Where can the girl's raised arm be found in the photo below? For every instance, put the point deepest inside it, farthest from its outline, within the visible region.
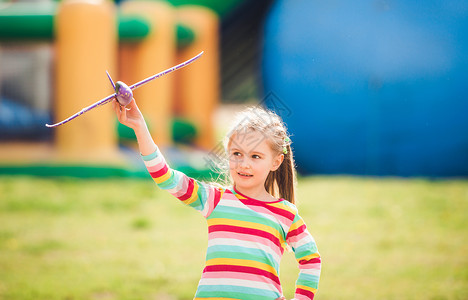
(201, 196)
(131, 116)
(194, 193)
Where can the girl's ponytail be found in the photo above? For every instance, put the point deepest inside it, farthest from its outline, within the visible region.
(282, 182)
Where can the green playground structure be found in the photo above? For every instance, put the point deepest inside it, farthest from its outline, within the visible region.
(35, 22)
(134, 39)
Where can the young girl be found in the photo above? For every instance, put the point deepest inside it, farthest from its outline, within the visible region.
(249, 223)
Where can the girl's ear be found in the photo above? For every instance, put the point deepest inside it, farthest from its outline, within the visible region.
(278, 160)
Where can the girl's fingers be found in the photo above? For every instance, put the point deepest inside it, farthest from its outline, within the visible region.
(116, 106)
(132, 104)
(121, 113)
(126, 114)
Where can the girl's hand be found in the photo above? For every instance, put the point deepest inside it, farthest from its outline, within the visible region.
(130, 115)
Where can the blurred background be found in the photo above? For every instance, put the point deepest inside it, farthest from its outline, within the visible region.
(53, 59)
(375, 88)
(374, 94)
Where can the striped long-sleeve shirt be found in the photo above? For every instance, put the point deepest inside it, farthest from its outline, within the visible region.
(246, 238)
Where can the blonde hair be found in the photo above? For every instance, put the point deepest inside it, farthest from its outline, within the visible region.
(280, 183)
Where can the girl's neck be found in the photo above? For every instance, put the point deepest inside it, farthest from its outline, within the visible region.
(257, 194)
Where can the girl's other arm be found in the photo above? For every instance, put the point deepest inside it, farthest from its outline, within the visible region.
(308, 257)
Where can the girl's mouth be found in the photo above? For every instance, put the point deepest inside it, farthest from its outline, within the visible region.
(244, 175)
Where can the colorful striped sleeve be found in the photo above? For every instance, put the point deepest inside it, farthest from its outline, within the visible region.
(201, 196)
(308, 257)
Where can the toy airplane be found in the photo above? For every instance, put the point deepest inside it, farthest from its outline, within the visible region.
(124, 93)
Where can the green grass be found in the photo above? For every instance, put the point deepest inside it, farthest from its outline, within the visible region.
(126, 239)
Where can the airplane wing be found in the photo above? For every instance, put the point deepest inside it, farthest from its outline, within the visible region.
(98, 103)
(179, 66)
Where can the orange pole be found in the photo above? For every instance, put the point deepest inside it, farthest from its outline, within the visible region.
(198, 85)
(86, 40)
(148, 57)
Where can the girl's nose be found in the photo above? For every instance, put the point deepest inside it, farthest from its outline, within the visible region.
(244, 163)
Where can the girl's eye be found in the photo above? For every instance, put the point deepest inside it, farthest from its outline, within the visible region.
(256, 156)
(236, 153)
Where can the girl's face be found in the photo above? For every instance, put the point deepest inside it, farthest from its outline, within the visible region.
(250, 161)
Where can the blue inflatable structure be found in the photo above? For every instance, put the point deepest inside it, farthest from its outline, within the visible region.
(371, 87)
